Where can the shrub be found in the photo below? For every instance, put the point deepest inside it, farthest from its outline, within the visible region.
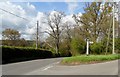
(65, 54)
(65, 50)
(104, 43)
(77, 46)
(97, 48)
(117, 44)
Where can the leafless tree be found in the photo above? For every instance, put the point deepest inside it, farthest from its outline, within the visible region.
(54, 22)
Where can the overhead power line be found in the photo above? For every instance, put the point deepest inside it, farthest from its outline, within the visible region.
(13, 14)
(26, 20)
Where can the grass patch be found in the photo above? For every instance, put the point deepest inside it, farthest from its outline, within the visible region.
(83, 59)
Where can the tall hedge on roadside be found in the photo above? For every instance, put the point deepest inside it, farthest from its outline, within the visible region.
(12, 54)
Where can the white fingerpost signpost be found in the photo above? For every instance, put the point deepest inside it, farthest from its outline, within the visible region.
(88, 42)
(87, 51)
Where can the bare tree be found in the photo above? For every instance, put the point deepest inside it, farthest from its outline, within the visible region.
(54, 20)
(67, 34)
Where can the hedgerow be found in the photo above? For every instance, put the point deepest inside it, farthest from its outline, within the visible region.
(17, 54)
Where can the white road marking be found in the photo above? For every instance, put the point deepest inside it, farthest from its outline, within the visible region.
(49, 66)
(43, 68)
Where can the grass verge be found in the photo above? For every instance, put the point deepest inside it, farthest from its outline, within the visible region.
(83, 59)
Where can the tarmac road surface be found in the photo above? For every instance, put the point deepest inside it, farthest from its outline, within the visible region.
(52, 67)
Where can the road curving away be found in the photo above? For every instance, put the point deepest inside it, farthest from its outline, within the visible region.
(52, 67)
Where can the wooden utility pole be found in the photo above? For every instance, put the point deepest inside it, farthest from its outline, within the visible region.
(37, 36)
(119, 19)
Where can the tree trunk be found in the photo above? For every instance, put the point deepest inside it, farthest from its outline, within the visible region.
(57, 45)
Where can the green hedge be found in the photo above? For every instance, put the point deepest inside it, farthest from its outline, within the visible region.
(14, 54)
(97, 48)
(18, 54)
